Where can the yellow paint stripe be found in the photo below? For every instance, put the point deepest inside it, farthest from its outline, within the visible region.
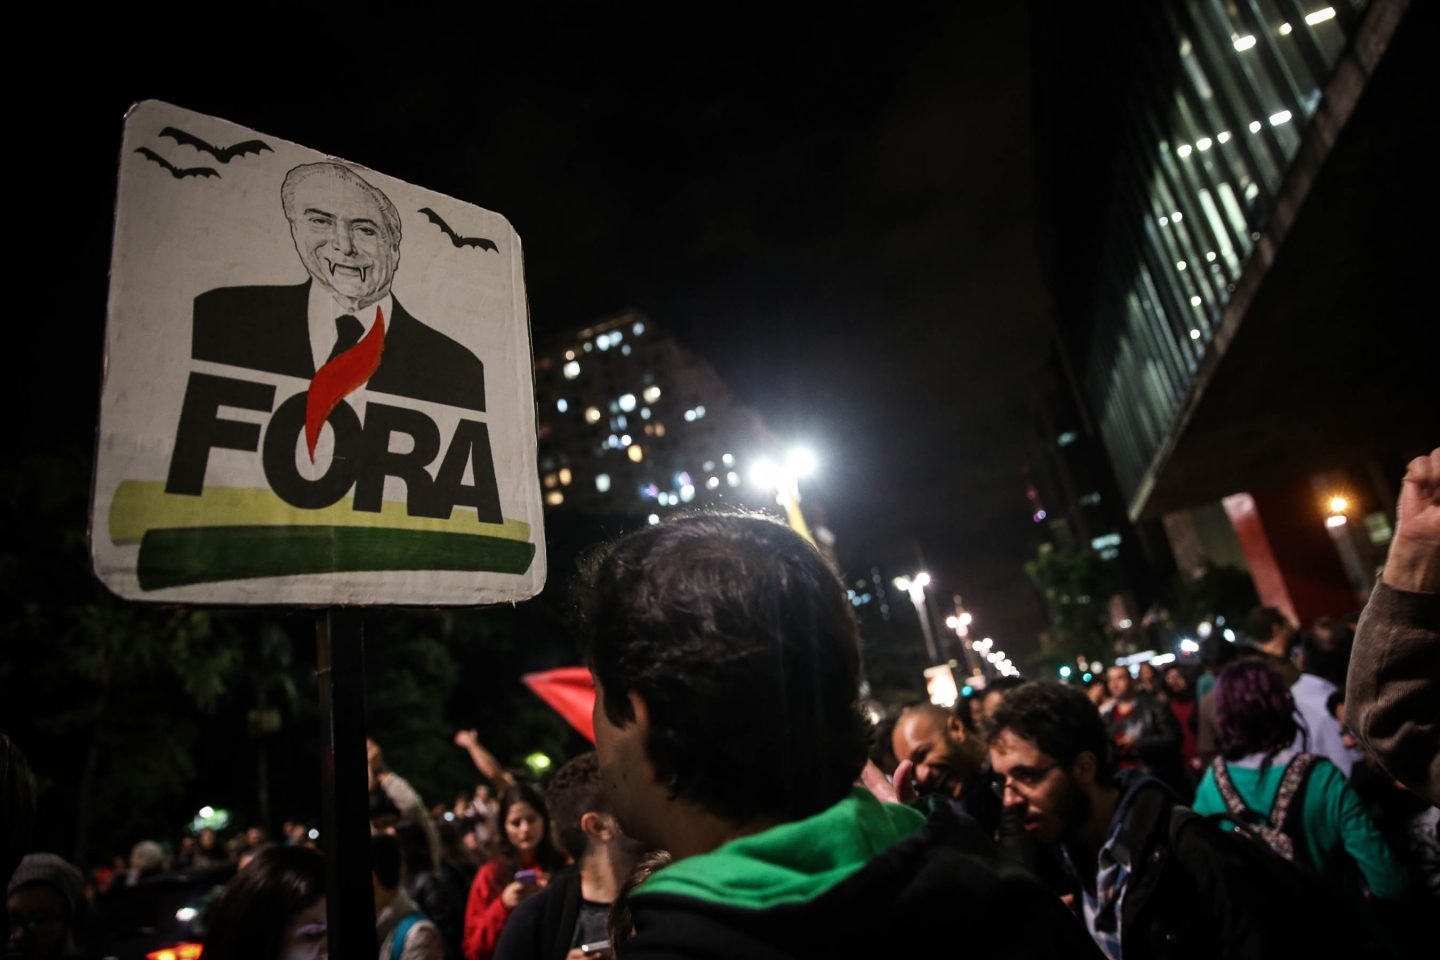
(140, 506)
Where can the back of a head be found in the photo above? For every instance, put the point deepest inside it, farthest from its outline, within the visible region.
(574, 791)
(51, 870)
(1262, 623)
(1254, 710)
(385, 860)
(739, 638)
(250, 916)
(1326, 645)
(1061, 720)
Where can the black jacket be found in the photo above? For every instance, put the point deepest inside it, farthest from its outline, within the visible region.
(542, 927)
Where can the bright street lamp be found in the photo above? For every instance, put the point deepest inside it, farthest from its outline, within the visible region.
(915, 586)
(785, 481)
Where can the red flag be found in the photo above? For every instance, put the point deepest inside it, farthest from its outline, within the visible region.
(341, 377)
(570, 691)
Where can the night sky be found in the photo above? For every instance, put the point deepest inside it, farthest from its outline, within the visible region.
(838, 215)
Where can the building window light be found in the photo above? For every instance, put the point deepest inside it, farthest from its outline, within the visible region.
(728, 460)
(651, 394)
(1195, 301)
(689, 416)
(1210, 256)
(1177, 216)
(636, 453)
(550, 480)
(602, 482)
(1244, 43)
(1195, 334)
(732, 478)
(571, 369)
(1278, 118)
(1203, 144)
(1183, 150)
(638, 329)
(569, 354)
(588, 346)
(1320, 16)
(592, 414)
(1255, 126)
(1223, 136)
(1067, 438)
(1164, 221)
(627, 402)
(712, 483)
(1286, 29)
(554, 498)
(565, 476)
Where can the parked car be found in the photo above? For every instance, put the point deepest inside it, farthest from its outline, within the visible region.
(160, 918)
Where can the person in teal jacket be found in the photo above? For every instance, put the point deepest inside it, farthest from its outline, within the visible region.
(1326, 824)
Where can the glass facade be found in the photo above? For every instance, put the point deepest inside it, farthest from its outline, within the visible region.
(1223, 91)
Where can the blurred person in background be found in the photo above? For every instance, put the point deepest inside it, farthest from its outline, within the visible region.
(273, 909)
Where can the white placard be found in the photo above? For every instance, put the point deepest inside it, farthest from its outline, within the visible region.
(318, 382)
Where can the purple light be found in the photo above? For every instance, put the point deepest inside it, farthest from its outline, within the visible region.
(1039, 515)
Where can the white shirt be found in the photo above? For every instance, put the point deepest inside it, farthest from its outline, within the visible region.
(1324, 738)
(323, 311)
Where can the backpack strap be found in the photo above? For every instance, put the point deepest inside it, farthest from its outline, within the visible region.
(402, 931)
(1297, 771)
(1233, 801)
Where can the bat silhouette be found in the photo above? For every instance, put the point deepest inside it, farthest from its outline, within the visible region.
(223, 154)
(179, 173)
(455, 238)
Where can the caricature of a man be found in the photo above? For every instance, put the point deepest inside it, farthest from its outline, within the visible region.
(347, 233)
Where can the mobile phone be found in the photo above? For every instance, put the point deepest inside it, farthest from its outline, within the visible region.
(600, 948)
(527, 877)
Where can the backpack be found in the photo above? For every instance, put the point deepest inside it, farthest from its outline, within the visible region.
(402, 930)
(1276, 829)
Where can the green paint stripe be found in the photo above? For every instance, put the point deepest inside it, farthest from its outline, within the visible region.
(183, 556)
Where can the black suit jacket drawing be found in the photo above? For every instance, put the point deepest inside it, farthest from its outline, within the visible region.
(267, 328)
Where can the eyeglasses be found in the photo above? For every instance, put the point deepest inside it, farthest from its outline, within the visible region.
(1021, 779)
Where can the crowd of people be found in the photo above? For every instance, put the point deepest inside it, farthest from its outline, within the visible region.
(1279, 802)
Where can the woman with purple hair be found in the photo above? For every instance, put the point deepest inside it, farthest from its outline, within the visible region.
(1325, 826)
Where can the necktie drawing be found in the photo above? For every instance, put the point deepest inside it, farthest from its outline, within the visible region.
(353, 361)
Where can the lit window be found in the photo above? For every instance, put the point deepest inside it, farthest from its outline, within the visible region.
(708, 466)
(732, 478)
(1180, 264)
(651, 394)
(1109, 540)
(569, 354)
(620, 422)
(572, 369)
(659, 429)
(728, 460)
(592, 414)
(1255, 126)
(1278, 118)
(603, 342)
(689, 416)
(712, 483)
(1286, 29)
(566, 476)
(653, 518)
(588, 346)
(1164, 221)
(1183, 150)
(625, 350)
(627, 402)
(562, 404)
(1194, 301)
(1210, 256)
(687, 493)
(1244, 43)
(1194, 334)
(1203, 144)
(699, 412)
(638, 329)
(1177, 216)
(1320, 16)
(554, 498)
(1067, 438)
(602, 482)
(615, 337)
(644, 413)
(550, 480)
(625, 440)
(1223, 136)
(636, 453)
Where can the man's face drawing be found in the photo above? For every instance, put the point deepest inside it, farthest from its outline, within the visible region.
(342, 239)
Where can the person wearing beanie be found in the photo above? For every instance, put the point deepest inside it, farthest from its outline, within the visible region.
(43, 899)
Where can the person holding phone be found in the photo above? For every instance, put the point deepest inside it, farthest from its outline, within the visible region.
(521, 860)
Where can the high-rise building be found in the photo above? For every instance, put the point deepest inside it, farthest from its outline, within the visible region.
(633, 424)
(1231, 192)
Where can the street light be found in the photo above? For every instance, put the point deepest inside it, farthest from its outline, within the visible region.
(785, 481)
(915, 586)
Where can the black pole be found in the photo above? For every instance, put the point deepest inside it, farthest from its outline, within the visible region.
(345, 822)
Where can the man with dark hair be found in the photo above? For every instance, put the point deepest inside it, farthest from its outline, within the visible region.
(401, 928)
(994, 692)
(572, 909)
(1324, 658)
(1150, 876)
(727, 672)
(1274, 638)
(1145, 734)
